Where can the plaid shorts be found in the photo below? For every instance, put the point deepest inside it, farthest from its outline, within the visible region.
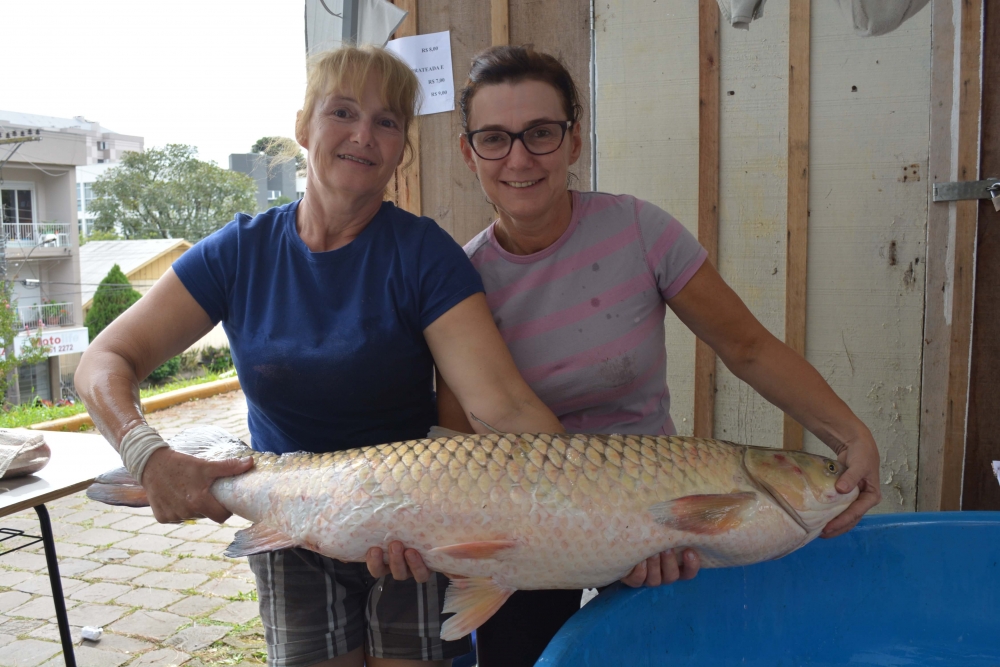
(315, 608)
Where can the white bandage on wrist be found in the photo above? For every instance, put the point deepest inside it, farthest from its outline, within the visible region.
(136, 448)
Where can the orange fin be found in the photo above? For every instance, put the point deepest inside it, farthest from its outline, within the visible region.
(118, 487)
(485, 549)
(472, 601)
(257, 539)
(709, 514)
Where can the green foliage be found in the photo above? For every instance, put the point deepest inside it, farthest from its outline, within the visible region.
(167, 369)
(100, 235)
(32, 413)
(169, 193)
(32, 352)
(113, 297)
(282, 147)
(280, 201)
(217, 359)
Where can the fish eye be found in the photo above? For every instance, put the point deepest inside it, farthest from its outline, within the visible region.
(831, 466)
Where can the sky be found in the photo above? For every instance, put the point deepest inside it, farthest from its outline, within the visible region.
(216, 74)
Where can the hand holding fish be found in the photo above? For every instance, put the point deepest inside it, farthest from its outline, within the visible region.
(402, 563)
(862, 461)
(664, 568)
(178, 485)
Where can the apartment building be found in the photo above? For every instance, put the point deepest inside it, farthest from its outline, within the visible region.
(39, 193)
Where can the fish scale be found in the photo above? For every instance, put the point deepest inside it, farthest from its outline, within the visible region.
(501, 512)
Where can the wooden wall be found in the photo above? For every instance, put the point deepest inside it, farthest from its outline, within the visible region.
(868, 184)
(450, 192)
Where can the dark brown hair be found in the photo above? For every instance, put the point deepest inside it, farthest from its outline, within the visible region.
(513, 64)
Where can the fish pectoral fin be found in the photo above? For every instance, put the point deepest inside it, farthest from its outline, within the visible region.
(258, 539)
(708, 514)
(484, 549)
(472, 601)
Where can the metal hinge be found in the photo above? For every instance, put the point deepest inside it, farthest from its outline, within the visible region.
(964, 190)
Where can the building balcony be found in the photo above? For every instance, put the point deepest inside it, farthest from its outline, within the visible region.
(45, 315)
(23, 238)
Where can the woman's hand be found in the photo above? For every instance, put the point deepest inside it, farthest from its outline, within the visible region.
(402, 563)
(664, 568)
(178, 485)
(862, 461)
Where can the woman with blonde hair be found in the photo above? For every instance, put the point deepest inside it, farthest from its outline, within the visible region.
(337, 308)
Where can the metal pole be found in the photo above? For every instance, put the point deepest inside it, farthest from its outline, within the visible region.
(349, 34)
(56, 582)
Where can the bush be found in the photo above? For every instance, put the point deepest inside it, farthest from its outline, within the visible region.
(113, 297)
(217, 359)
(170, 368)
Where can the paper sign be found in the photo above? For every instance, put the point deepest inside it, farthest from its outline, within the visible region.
(429, 56)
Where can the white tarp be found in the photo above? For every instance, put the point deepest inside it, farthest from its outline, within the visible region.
(377, 20)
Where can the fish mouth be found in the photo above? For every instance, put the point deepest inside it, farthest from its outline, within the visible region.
(771, 493)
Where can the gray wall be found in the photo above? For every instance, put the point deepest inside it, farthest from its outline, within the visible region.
(267, 174)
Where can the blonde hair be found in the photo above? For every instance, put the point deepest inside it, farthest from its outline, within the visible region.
(349, 69)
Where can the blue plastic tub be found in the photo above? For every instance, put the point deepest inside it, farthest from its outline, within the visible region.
(899, 589)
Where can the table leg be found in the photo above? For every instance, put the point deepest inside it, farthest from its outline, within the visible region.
(56, 582)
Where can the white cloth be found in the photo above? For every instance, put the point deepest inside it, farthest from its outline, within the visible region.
(377, 20)
(136, 448)
(11, 444)
(739, 13)
(871, 18)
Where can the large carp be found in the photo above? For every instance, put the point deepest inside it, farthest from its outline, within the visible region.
(502, 512)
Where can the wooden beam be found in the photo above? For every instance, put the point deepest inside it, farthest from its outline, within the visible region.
(408, 178)
(708, 198)
(798, 194)
(499, 23)
(966, 215)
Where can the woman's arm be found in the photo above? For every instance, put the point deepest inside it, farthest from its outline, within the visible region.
(163, 323)
(715, 313)
(474, 362)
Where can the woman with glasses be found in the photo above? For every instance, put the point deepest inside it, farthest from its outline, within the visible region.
(579, 283)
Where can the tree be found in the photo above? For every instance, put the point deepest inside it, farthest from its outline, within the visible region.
(31, 352)
(100, 235)
(280, 147)
(113, 297)
(169, 193)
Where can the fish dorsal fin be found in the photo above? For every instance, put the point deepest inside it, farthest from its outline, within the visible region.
(485, 424)
(472, 601)
(484, 549)
(442, 432)
(258, 539)
(709, 514)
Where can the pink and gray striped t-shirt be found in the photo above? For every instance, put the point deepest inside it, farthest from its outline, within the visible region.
(584, 317)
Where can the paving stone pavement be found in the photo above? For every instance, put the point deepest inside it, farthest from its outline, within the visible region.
(164, 594)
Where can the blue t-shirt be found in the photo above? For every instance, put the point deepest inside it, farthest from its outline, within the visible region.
(329, 346)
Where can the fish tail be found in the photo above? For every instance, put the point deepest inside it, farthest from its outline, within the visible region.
(118, 487)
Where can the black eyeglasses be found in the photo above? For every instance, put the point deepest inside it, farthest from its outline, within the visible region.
(540, 139)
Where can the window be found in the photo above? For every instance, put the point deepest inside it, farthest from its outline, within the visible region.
(273, 194)
(18, 204)
(102, 146)
(88, 195)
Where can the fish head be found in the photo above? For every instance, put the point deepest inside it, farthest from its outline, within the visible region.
(804, 484)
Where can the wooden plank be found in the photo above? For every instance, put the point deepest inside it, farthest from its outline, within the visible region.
(982, 446)
(966, 213)
(408, 177)
(708, 198)
(450, 193)
(798, 194)
(562, 29)
(937, 297)
(499, 23)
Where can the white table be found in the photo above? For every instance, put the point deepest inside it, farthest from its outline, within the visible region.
(77, 458)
